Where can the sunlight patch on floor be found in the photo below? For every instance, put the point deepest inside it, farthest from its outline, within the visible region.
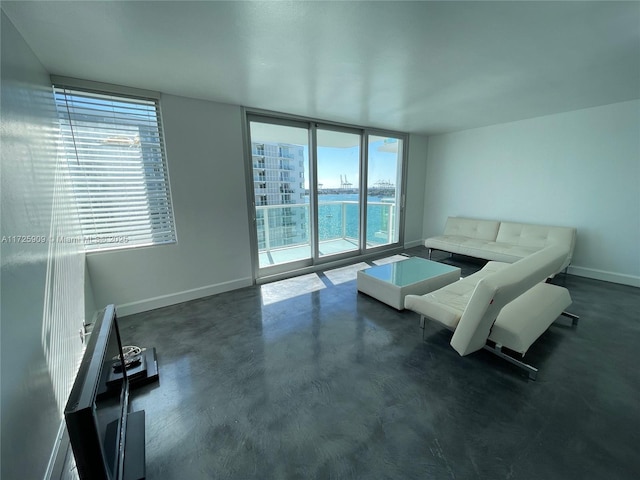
(290, 288)
(345, 274)
(391, 259)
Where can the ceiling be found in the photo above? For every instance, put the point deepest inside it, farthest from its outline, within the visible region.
(420, 67)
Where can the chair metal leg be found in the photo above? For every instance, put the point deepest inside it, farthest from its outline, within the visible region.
(574, 318)
(497, 350)
(422, 325)
(430, 250)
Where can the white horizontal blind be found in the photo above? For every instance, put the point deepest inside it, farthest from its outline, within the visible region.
(115, 151)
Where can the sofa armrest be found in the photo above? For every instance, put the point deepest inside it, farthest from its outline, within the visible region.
(475, 325)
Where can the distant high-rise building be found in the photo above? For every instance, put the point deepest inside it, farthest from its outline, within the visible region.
(278, 183)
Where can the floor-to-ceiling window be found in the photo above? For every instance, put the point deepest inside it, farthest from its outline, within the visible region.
(280, 165)
(384, 177)
(338, 159)
(321, 192)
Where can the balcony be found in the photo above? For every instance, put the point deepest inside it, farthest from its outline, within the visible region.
(338, 227)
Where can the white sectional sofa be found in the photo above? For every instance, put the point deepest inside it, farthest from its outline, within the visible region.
(503, 305)
(500, 241)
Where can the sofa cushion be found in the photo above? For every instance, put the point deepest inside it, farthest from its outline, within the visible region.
(504, 252)
(501, 241)
(537, 236)
(472, 228)
(499, 252)
(472, 247)
(447, 304)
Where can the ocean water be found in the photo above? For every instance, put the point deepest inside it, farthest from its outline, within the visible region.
(332, 209)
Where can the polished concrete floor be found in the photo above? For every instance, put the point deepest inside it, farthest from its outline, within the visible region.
(307, 379)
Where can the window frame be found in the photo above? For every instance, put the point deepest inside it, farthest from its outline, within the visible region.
(153, 179)
(315, 263)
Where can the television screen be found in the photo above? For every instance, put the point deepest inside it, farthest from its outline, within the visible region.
(96, 413)
(111, 402)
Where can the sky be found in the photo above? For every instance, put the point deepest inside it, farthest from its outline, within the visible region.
(336, 161)
(338, 153)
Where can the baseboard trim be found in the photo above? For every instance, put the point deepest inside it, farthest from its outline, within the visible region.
(414, 243)
(604, 275)
(180, 297)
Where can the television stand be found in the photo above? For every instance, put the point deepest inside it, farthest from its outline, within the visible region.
(134, 454)
(147, 374)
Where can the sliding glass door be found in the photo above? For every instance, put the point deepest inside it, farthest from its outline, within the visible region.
(321, 192)
(384, 178)
(338, 159)
(280, 165)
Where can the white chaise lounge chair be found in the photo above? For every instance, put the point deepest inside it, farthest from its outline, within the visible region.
(503, 305)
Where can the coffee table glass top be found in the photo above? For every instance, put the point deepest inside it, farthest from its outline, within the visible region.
(406, 272)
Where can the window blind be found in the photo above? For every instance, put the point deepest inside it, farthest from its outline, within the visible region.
(115, 151)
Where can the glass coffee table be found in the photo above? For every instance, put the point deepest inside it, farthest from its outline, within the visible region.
(391, 282)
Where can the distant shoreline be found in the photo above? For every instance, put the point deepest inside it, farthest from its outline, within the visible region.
(371, 192)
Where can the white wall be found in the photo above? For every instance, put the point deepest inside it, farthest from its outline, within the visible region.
(206, 167)
(42, 283)
(579, 168)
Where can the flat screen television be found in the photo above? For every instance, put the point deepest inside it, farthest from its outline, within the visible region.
(107, 440)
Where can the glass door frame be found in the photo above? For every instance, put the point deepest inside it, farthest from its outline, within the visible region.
(260, 272)
(339, 129)
(312, 125)
(401, 181)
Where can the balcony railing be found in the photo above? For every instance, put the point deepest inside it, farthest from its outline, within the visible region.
(337, 220)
